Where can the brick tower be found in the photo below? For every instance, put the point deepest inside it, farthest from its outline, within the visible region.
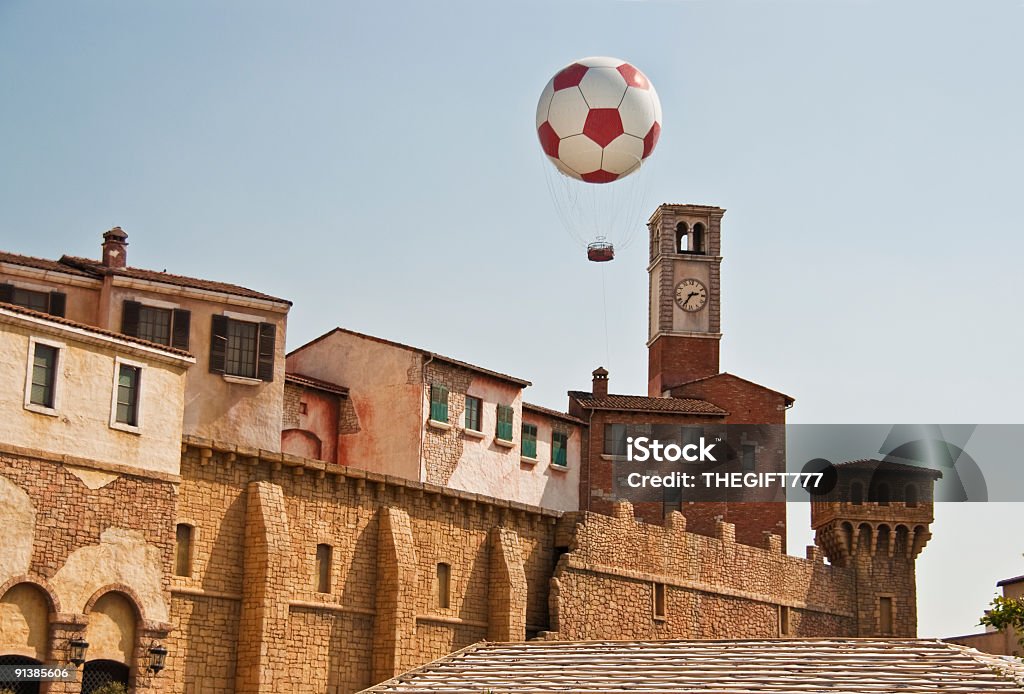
(685, 295)
(876, 521)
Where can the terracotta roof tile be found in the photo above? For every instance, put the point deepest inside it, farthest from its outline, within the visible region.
(825, 666)
(98, 269)
(522, 383)
(642, 403)
(552, 413)
(871, 464)
(789, 398)
(42, 264)
(90, 328)
(310, 382)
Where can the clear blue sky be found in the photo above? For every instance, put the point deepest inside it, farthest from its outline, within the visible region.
(375, 162)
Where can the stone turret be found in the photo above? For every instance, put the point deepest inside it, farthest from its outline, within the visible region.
(876, 520)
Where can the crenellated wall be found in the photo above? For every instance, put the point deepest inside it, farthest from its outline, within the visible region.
(604, 586)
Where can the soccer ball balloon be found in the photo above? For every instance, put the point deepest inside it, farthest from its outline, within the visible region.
(598, 119)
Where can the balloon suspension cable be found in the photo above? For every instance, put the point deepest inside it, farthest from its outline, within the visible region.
(607, 342)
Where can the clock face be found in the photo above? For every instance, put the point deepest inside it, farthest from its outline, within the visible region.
(691, 295)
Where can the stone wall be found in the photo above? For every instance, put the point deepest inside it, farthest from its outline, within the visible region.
(715, 587)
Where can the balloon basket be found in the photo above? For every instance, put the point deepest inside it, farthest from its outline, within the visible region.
(600, 252)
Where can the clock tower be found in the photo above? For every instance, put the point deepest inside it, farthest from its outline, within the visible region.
(685, 295)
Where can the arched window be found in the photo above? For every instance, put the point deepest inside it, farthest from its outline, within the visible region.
(856, 493)
(910, 494)
(698, 239)
(7, 664)
(183, 550)
(323, 568)
(883, 494)
(104, 675)
(682, 239)
(444, 585)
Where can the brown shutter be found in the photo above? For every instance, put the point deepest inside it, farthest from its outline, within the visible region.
(6, 293)
(181, 321)
(265, 362)
(130, 318)
(58, 303)
(218, 344)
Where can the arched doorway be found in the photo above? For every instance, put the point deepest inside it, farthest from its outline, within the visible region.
(19, 687)
(103, 676)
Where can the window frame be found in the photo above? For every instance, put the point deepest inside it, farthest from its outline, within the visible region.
(511, 412)
(443, 576)
(479, 409)
(443, 400)
(58, 382)
(564, 465)
(527, 438)
(56, 302)
(609, 428)
(114, 423)
(265, 357)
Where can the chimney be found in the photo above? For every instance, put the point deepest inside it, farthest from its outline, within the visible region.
(600, 382)
(115, 242)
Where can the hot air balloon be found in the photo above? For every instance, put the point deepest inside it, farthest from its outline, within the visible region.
(598, 120)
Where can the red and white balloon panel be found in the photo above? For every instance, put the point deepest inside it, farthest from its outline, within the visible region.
(598, 119)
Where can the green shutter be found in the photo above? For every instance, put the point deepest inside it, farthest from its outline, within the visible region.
(559, 444)
(439, 403)
(529, 441)
(504, 429)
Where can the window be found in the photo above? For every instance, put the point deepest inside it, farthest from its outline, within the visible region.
(749, 457)
(885, 615)
(883, 494)
(37, 300)
(126, 408)
(682, 242)
(438, 403)
(910, 494)
(183, 550)
(856, 493)
(559, 446)
(323, 568)
(242, 348)
(529, 440)
(165, 326)
(659, 601)
(783, 620)
(474, 408)
(44, 376)
(444, 585)
(615, 439)
(698, 239)
(504, 429)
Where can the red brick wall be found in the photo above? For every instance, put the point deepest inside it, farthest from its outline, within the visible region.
(673, 359)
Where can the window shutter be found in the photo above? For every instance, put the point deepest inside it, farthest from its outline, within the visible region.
(130, 318)
(6, 293)
(58, 302)
(265, 361)
(218, 344)
(181, 320)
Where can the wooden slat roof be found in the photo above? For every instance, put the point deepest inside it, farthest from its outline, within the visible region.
(820, 666)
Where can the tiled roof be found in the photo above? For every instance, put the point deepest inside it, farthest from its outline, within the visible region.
(789, 399)
(92, 329)
(642, 403)
(552, 413)
(819, 666)
(98, 269)
(870, 464)
(310, 382)
(522, 383)
(41, 264)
